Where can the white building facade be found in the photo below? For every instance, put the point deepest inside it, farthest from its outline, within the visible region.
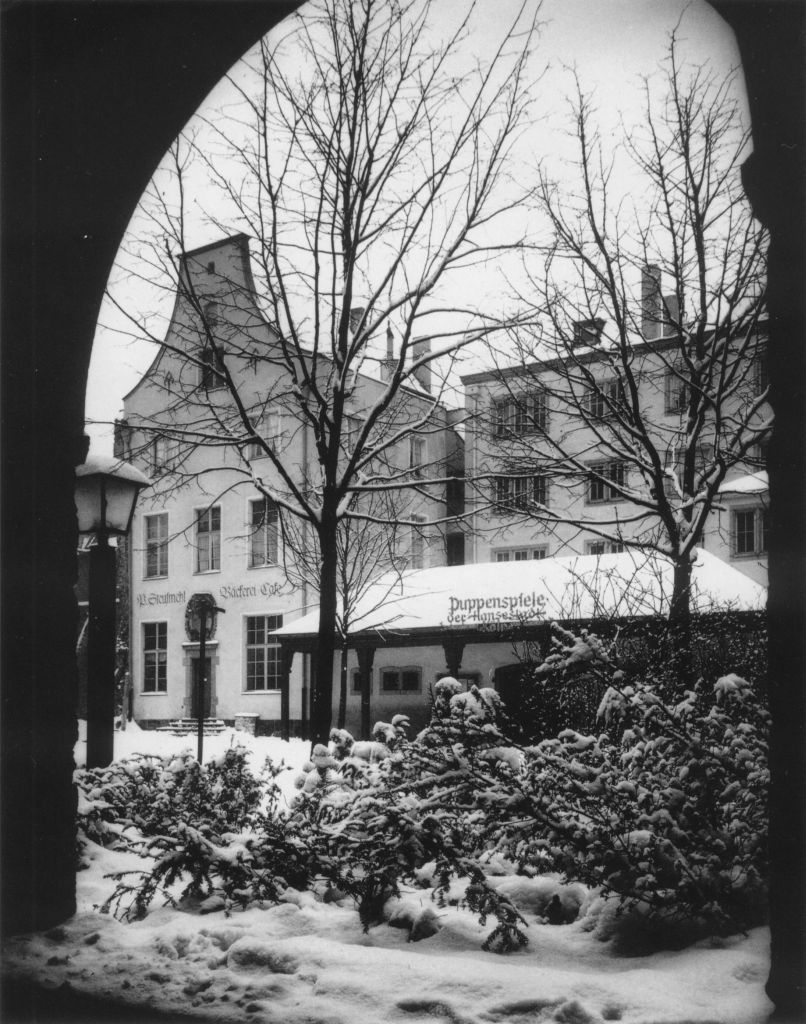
(205, 527)
(580, 494)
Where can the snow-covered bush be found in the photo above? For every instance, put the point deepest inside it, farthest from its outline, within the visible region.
(661, 810)
(215, 834)
(664, 807)
(151, 795)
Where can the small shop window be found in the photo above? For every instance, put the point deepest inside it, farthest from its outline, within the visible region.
(401, 680)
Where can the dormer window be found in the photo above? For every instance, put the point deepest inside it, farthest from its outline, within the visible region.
(588, 332)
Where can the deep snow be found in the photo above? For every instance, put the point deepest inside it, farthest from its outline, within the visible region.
(308, 962)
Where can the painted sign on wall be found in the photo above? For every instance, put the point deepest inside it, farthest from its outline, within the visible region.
(507, 608)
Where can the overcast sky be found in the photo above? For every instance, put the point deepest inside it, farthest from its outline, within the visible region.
(611, 43)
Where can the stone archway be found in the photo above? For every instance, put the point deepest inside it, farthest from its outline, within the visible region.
(93, 94)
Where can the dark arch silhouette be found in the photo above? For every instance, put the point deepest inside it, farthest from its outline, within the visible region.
(93, 94)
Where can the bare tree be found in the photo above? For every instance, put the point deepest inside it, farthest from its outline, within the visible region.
(628, 409)
(368, 550)
(371, 171)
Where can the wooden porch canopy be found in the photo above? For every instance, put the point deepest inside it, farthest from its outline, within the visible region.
(454, 606)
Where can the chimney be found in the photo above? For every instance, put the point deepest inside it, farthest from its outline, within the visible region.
(671, 313)
(587, 332)
(419, 348)
(651, 303)
(388, 364)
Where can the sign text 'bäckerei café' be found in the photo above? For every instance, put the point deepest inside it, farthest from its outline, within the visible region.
(226, 593)
(469, 611)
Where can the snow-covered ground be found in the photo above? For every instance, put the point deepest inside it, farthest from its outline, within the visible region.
(309, 961)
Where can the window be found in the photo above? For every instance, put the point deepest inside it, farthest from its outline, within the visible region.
(520, 554)
(263, 667)
(750, 532)
(455, 548)
(454, 496)
(263, 538)
(675, 391)
(599, 490)
(401, 680)
(603, 547)
(156, 545)
(416, 543)
(513, 493)
(604, 398)
(155, 657)
(269, 428)
(208, 539)
(517, 415)
(416, 456)
(211, 370)
(158, 455)
(588, 332)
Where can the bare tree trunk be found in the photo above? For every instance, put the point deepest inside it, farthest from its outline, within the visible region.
(322, 689)
(343, 686)
(680, 624)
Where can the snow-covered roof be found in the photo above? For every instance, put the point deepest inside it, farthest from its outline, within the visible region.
(565, 589)
(753, 483)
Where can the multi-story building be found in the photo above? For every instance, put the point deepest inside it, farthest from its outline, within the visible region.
(557, 467)
(206, 527)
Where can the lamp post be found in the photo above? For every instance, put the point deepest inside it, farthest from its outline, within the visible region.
(200, 623)
(105, 494)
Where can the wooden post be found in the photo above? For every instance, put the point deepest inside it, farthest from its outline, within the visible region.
(454, 649)
(305, 726)
(366, 656)
(286, 659)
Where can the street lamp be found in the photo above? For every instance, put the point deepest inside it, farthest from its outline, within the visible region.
(105, 494)
(200, 622)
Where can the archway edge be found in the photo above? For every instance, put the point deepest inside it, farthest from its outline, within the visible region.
(93, 95)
